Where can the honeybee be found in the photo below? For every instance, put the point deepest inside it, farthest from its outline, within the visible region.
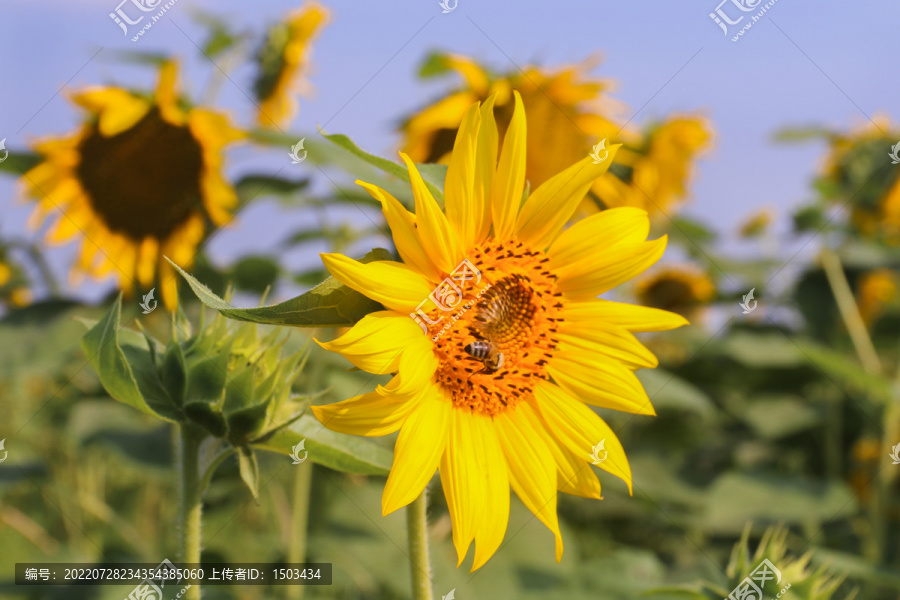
(487, 353)
(500, 316)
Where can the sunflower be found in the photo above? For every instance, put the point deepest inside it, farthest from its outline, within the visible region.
(568, 112)
(658, 171)
(518, 280)
(856, 169)
(677, 288)
(283, 59)
(138, 181)
(875, 290)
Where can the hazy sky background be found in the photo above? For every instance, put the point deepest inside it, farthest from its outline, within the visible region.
(829, 63)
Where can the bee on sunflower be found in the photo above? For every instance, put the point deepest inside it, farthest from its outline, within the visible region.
(141, 179)
(283, 60)
(521, 417)
(568, 112)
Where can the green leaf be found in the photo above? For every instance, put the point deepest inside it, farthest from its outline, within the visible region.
(848, 373)
(18, 163)
(101, 345)
(329, 304)
(240, 389)
(250, 187)
(206, 378)
(433, 175)
(244, 423)
(434, 65)
(174, 372)
(337, 451)
(211, 419)
(249, 469)
(736, 498)
(255, 273)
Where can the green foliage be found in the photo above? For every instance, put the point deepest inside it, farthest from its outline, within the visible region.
(227, 381)
(329, 304)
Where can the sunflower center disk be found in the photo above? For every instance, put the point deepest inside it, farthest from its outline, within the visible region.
(501, 330)
(144, 181)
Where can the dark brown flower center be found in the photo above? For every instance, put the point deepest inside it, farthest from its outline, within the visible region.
(144, 181)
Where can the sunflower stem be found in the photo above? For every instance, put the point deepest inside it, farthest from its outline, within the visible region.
(191, 492)
(299, 523)
(419, 560)
(856, 327)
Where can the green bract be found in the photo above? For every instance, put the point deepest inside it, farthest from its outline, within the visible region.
(227, 383)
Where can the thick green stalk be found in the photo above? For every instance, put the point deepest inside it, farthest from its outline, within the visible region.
(875, 542)
(191, 492)
(419, 561)
(299, 521)
(846, 302)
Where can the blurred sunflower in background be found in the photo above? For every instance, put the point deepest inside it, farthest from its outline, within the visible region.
(875, 290)
(282, 60)
(519, 415)
(14, 291)
(858, 170)
(141, 179)
(682, 289)
(569, 112)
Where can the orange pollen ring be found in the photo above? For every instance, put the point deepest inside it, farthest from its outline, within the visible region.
(511, 311)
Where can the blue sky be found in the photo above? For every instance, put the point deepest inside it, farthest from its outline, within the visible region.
(827, 63)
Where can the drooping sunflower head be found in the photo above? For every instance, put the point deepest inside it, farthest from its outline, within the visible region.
(677, 288)
(283, 59)
(139, 180)
(857, 169)
(568, 112)
(496, 337)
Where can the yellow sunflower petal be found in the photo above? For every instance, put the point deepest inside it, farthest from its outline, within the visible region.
(595, 275)
(444, 114)
(416, 369)
(403, 230)
(372, 414)
(532, 469)
(475, 76)
(598, 232)
(485, 165)
(374, 344)
(418, 451)
(464, 208)
(147, 259)
(599, 382)
(435, 233)
(551, 205)
(166, 94)
(393, 284)
(509, 180)
(573, 474)
(578, 428)
(475, 487)
(118, 109)
(628, 316)
(168, 284)
(601, 340)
